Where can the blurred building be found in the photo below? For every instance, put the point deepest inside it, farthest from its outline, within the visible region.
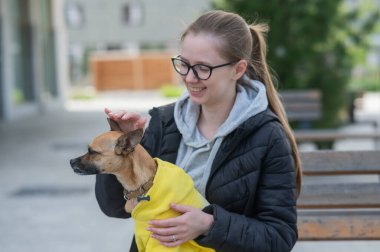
(130, 26)
(44, 44)
(30, 81)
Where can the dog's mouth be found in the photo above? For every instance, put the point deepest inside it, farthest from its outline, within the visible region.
(83, 170)
(88, 171)
(79, 171)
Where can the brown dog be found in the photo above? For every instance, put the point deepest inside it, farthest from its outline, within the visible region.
(150, 185)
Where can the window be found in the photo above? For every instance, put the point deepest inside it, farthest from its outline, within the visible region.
(133, 13)
(74, 15)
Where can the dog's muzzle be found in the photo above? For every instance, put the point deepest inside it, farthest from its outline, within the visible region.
(81, 169)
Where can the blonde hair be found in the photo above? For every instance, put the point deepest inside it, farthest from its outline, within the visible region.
(238, 40)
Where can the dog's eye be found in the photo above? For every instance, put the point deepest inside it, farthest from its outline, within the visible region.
(92, 152)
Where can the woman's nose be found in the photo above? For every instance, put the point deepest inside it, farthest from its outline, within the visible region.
(191, 76)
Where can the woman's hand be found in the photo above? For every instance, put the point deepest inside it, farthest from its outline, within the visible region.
(174, 231)
(127, 121)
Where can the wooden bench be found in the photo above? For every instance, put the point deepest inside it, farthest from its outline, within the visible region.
(332, 135)
(340, 208)
(302, 106)
(305, 106)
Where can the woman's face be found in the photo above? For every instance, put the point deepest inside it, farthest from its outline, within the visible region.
(202, 49)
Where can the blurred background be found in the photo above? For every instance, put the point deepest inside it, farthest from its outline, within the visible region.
(63, 61)
(52, 51)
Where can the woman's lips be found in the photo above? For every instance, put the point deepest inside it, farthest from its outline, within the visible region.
(196, 89)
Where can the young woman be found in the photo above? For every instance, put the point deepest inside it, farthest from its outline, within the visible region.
(229, 132)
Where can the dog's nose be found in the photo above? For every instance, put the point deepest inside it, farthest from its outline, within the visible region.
(72, 162)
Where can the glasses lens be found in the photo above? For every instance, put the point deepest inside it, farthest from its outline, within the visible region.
(180, 66)
(203, 71)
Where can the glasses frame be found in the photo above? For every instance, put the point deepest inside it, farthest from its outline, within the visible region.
(192, 67)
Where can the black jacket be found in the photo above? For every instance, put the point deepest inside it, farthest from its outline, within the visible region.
(251, 188)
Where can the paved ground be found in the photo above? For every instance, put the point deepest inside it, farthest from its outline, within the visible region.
(44, 206)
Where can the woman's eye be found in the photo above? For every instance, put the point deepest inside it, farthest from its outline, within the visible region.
(203, 68)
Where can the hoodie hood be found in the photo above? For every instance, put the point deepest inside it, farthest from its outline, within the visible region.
(250, 100)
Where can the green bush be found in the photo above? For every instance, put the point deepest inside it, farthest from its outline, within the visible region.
(171, 90)
(314, 45)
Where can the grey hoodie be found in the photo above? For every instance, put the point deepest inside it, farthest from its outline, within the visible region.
(196, 153)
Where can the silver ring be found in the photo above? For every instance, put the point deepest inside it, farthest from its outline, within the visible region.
(174, 239)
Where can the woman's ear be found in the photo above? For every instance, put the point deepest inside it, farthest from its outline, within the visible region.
(239, 69)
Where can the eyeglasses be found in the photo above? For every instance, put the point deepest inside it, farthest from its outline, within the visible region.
(201, 71)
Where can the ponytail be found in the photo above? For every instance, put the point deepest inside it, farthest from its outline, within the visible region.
(258, 70)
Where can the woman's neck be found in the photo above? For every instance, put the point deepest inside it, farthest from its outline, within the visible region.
(212, 117)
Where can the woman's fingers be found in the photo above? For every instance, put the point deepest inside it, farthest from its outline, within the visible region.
(107, 110)
(114, 116)
(167, 236)
(169, 240)
(190, 224)
(141, 122)
(109, 113)
(163, 232)
(127, 121)
(125, 116)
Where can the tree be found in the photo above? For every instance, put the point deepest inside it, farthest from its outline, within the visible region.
(311, 45)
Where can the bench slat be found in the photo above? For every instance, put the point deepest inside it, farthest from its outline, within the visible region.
(341, 162)
(302, 105)
(332, 135)
(339, 225)
(300, 95)
(349, 195)
(303, 115)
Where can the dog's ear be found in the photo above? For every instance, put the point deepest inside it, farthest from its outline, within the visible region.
(113, 124)
(127, 142)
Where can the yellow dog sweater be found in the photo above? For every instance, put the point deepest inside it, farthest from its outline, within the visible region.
(170, 185)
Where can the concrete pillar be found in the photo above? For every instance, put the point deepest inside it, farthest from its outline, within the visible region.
(8, 49)
(61, 47)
